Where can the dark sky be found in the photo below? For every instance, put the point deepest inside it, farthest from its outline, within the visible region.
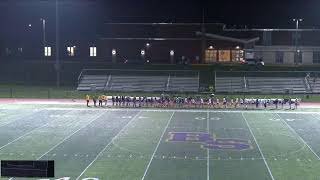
(80, 19)
(257, 13)
(266, 13)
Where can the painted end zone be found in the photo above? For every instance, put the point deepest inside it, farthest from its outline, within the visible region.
(208, 141)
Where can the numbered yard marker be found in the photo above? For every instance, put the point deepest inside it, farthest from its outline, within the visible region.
(143, 117)
(61, 116)
(290, 120)
(215, 118)
(274, 119)
(126, 117)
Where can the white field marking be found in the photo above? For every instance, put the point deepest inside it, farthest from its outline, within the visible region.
(208, 152)
(21, 117)
(273, 119)
(215, 118)
(66, 138)
(24, 135)
(115, 137)
(176, 110)
(200, 118)
(301, 139)
(262, 155)
(155, 150)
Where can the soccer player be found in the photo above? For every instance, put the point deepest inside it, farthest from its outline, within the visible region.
(201, 102)
(100, 100)
(218, 103)
(94, 101)
(231, 102)
(224, 102)
(87, 99)
(296, 103)
(236, 103)
(113, 100)
(209, 103)
(105, 99)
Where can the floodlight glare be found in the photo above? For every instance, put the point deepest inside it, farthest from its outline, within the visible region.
(114, 52)
(172, 53)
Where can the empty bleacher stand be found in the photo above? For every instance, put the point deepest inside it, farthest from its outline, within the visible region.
(264, 82)
(314, 84)
(276, 85)
(230, 84)
(138, 81)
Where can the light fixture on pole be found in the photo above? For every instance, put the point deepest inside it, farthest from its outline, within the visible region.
(172, 56)
(297, 21)
(143, 54)
(43, 21)
(114, 56)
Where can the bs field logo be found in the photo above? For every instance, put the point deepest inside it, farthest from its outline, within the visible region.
(208, 141)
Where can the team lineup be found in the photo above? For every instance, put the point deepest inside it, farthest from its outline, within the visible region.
(190, 102)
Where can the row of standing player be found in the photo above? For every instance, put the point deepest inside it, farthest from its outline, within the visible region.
(165, 101)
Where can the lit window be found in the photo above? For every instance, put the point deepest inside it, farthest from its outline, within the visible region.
(210, 56)
(47, 51)
(71, 50)
(93, 51)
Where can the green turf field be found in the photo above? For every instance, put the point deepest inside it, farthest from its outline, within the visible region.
(139, 144)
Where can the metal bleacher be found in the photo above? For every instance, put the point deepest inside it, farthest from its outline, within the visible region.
(314, 84)
(139, 81)
(276, 85)
(264, 82)
(230, 84)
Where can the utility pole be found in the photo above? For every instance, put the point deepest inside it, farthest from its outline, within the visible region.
(44, 33)
(297, 21)
(203, 38)
(57, 64)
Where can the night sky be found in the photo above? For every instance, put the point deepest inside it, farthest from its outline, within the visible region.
(81, 19)
(253, 13)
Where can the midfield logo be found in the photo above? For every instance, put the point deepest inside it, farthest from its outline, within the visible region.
(208, 141)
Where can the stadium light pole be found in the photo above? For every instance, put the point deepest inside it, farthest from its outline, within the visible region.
(43, 21)
(297, 21)
(57, 64)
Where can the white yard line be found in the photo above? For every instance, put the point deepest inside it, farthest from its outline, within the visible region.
(20, 117)
(179, 110)
(208, 152)
(262, 155)
(155, 150)
(299, 137)
(24, 135)
(66, 138)
(114, 138)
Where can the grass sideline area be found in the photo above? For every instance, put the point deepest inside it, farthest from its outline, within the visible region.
(51, 92)
(139, 144)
